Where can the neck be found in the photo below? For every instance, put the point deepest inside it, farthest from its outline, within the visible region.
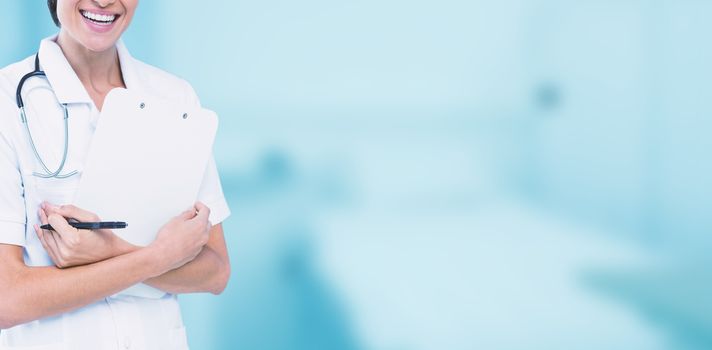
(99, 72)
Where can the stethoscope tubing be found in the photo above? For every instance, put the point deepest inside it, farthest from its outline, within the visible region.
(23, 117)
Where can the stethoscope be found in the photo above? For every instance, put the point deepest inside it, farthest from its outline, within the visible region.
(23, 116)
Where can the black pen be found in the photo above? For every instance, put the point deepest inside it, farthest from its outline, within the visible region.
(92, 225)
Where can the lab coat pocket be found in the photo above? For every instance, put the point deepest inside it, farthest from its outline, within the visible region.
(53, 190)
(178, 339)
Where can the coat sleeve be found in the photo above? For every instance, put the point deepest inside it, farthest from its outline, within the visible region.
(12, 194)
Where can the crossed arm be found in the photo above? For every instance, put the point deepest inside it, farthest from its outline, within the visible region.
(187, 256)
(208, 272)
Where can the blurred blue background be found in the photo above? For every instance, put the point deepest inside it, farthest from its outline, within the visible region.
(453, 174)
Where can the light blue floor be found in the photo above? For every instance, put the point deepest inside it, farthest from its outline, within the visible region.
(499, 275)
(502, 276)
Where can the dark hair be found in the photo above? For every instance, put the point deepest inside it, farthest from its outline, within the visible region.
(52, 4)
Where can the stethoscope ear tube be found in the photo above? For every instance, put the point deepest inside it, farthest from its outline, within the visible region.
(35, 73)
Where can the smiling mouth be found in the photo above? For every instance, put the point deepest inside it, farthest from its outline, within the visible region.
(98, 18)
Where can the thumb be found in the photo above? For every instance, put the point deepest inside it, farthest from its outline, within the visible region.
(60, 225)
(188, 214)
(70, 211)
(203, 211)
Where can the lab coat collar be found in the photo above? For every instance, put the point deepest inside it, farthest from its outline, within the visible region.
(128, 67)
(61, 76)
(64, 81)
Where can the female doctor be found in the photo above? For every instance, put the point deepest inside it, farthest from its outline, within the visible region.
(60, 289)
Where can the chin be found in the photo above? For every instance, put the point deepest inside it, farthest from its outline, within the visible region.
(99, 44)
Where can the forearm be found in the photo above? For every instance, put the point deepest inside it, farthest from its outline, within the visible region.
(206, 273)
(37, 292)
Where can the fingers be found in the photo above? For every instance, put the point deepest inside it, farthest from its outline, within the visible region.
(60, 225)
(203, 215)
(41, 234)
(53, 240)
(203, 211)
(43, 239)
(199, 206)
(43, 216)
(49, 243)
(55, 243)
(70, 212)
(198, 211)
(187, 215)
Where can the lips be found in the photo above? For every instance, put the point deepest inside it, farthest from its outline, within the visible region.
(99, 22)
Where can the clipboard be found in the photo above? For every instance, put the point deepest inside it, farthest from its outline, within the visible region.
(145, 165)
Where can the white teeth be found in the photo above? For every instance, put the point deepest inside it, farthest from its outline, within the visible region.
(97, 17)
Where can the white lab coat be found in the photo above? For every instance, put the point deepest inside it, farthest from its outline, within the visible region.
(117, 322)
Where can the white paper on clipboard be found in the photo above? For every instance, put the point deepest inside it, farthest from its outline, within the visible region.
(145, 166)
